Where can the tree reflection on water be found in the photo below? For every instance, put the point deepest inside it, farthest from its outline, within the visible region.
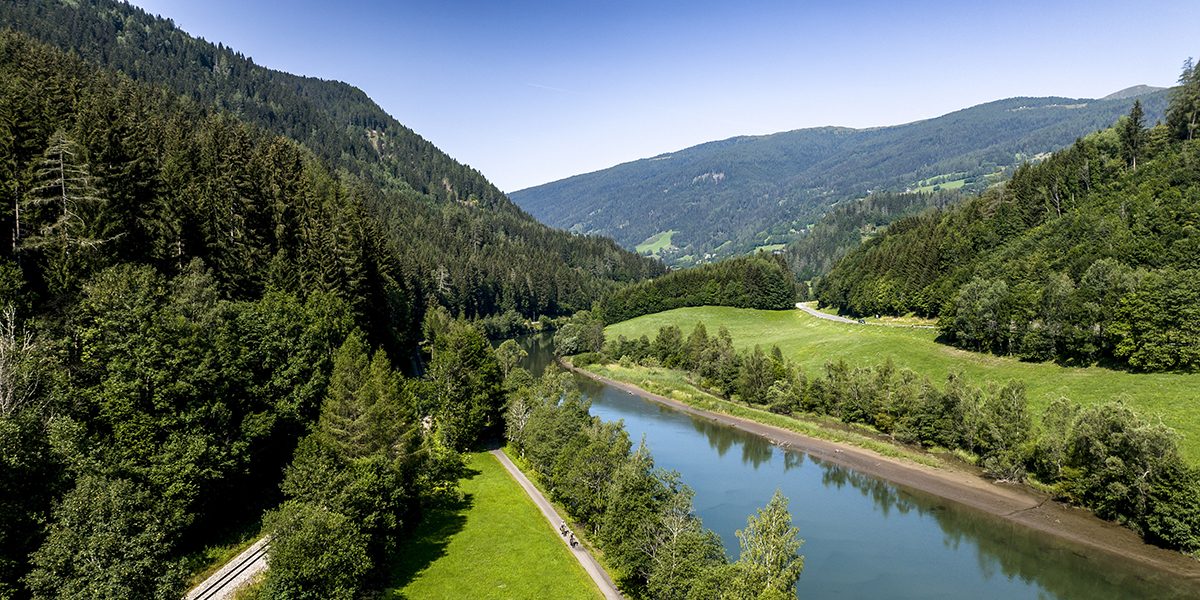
(1002, 548)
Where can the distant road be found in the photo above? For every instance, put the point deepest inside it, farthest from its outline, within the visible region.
(234, 574)
(823, 315)
(593, 568)
(840, 319)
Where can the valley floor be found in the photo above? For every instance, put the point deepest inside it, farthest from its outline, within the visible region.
(1014, 503)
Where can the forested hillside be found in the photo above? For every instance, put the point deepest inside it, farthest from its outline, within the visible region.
(186, 293)
(761, 281)
(462, 243)
(850, 223)
(173, 289)
(1088, 256)
(728, 197)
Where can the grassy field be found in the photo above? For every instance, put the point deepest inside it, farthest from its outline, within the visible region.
(945, 185)
(655, 243)
(811, 342)
(945, 181)
(495, 544)
(769, 247)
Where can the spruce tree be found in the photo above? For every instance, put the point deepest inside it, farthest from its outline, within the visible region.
(56, 220)
(1133, 135)
(1183, 115)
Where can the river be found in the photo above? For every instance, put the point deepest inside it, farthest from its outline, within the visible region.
(864, 537)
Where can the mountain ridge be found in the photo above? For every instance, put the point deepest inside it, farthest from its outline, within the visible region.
(466, 245)
(1086, 257)
(1132, 91)
(767, 189)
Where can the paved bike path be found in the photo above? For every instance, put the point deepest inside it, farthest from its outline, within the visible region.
(585, 558)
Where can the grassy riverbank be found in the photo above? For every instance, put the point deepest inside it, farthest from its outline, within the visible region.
(675, 385)
(812, 342)
(494, 544)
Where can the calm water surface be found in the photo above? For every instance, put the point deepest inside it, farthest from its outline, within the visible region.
(864, 537)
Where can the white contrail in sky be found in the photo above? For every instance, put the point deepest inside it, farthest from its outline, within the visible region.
(551, 88)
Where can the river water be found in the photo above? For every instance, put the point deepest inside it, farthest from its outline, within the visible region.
(864, 537)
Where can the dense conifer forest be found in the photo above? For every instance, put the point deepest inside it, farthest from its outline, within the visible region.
(761, 281)
(848, 224)
(1089, 256)
(208, 265)
(461, 242)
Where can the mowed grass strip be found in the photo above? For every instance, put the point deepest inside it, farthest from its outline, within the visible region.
(495, 544)
(812, 342)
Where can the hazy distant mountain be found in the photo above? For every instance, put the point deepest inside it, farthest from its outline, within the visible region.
(730, 196)
(1133, 91)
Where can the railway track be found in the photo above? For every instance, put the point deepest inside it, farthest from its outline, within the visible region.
(233, 574)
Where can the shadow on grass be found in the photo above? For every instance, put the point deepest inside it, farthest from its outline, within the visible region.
(428, 542)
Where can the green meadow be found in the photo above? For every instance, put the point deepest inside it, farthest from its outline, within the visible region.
(655, 243)
(493, 544)
(769, 247)
(945, 185)
(812, 342)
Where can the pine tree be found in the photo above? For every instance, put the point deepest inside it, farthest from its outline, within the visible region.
(361, 415)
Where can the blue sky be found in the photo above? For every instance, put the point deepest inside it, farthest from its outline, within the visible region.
(530, 92)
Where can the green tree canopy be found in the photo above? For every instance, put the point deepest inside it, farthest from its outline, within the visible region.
(468, 386)
(769, 565)
(315, 553)
(111, 538)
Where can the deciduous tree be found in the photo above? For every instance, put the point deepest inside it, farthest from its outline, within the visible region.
(769, 565)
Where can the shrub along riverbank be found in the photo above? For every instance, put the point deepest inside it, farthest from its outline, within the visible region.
(1103, 457)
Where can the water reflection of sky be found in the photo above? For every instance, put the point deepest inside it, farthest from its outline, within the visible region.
(864, 538)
